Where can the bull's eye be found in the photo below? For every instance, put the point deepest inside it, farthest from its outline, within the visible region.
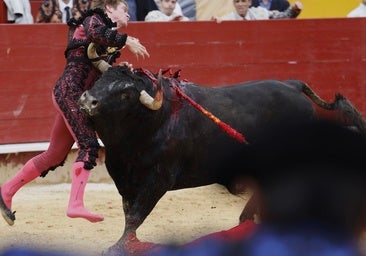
(124, 96)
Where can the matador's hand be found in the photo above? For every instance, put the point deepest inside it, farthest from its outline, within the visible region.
(134, 45)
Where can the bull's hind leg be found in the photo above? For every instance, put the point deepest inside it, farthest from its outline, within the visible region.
(251, 209)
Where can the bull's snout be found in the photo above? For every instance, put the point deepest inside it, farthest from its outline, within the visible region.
(88, 103)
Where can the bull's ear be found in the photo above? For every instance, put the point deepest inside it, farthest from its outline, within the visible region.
(150, 102)
(98, 63)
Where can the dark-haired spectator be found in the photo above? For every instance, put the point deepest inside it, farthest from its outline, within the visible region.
(60, 11)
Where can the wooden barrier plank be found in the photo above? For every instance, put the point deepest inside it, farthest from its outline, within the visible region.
(328, 54)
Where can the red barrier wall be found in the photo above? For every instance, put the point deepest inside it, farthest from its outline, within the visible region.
(328, 54)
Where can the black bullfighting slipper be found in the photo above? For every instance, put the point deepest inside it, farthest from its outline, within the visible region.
(8, 216)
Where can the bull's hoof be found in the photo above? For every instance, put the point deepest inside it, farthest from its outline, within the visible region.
(115, 250)
(131, 246)
(135, 247)
(245, 216)
(8, 216)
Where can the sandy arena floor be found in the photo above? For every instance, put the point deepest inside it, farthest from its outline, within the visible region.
(180, 216)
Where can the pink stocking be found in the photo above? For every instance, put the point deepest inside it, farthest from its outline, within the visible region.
(28, 173)
(76, 207)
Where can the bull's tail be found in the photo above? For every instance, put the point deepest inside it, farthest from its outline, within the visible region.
(348, 114)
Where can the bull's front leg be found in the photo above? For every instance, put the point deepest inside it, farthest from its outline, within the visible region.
(136, 208)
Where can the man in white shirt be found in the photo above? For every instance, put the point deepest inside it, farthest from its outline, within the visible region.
(65, 8)
(19, 11)
(167, 12)
(360, 11)
(244, 11)
(177, 9)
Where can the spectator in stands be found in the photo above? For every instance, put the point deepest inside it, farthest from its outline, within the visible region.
(272, 5)
(243, 11)
(360, 11)
(177, 9)
(138, 9)
(166, 12)
(19, 11)
(60, 11)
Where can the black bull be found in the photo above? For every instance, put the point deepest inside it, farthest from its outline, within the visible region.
(149, 152)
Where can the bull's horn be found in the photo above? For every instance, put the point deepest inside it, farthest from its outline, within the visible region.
(150, 102)
(102, 65)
